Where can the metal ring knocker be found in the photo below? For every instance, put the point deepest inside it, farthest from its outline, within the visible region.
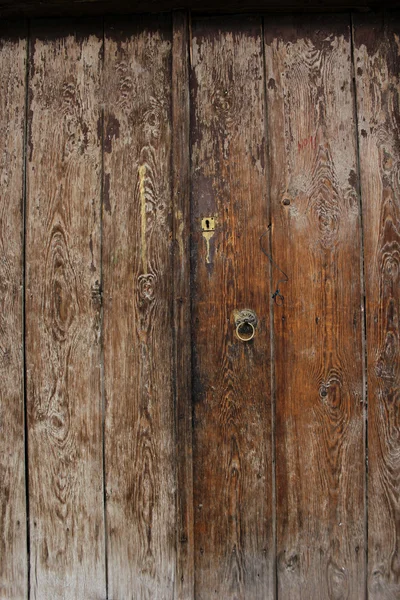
(246, 323)
(245, 336)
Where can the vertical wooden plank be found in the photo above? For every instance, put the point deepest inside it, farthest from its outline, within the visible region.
(318, 331)
(377, 65)
(232, 413)
(138, 286)
(63, 312)
(182, 304)
(13, 551)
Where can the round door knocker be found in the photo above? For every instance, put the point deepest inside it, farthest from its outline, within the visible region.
(246, 323)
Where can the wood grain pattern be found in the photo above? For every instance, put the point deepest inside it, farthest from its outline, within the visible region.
(318, 331)
(189, 447)
(232, 414)
(377, 64)
(182, 305)
(138, 287)
(63, 313)
(13, 554)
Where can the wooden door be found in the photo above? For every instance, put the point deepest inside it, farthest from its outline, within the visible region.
(199, 344)
(274, 163)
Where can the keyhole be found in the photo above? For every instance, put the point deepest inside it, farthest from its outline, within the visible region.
(208, 224)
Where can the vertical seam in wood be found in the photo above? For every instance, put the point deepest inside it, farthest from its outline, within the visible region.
(181, 227)
(363, 307)
(173, 307)
(24, 205)
(102, 382)
(271, 321)
(190, 300)
(191, 271)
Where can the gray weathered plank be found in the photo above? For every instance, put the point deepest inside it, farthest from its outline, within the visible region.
(63, 313)
(138, 287)
(182, 312)
(318, 331)
(13, 550)
(232, 454)
(377, 68)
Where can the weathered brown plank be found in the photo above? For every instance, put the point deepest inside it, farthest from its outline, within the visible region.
(377, 67)
(232, 412)
(182, 312)
(52, 8)
(13, 551)
(318, 331)
(138, 287)
(63, 313)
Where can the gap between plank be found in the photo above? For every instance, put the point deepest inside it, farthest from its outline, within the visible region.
(181, 289)
(363, 307)
(24, 378)
(191, 271)
(271, 322)
(102, 382)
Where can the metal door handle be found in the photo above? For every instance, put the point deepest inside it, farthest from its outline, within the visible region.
(246, 323)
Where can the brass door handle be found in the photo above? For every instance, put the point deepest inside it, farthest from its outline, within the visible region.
(246, 323)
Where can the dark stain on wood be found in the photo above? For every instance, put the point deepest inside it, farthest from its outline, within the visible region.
(112, 131)
(184, 586)
(106, 193)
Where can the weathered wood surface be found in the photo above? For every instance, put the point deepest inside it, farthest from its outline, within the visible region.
(318, 331)
(13, 551)
(182, 305)
(67, 556)
(53, 8)
(377, 70)
(134, 159)
(232, 454)
(138, 287)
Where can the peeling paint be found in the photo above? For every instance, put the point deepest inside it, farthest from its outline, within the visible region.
(179, 233)
(207, 235)
(142, 189)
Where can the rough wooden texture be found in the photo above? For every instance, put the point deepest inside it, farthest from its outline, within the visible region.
(63, 313)
(13, 556)
(138, 286)
(164, 544)
(377, 69)
(232, 412)
(182, 312)
(53, 8)
(318, 331)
